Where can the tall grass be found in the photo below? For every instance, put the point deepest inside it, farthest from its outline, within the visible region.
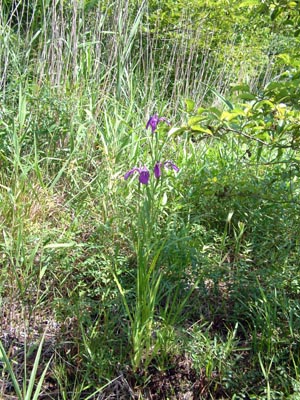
(81, 44)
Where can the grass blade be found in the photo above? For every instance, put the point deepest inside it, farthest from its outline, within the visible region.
(34, 372)
(11, 372)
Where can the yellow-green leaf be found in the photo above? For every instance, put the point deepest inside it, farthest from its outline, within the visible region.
(190, 105)
(194, 120)
(228, 116)
(198, 128)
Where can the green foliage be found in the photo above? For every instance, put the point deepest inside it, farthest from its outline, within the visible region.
(199, 268)
(270, 118)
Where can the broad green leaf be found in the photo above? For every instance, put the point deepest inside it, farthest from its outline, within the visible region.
(228, 116)
(275, 13)
(283, 95)
(247, 96)
(243, 87)
(292, 4)
(259, 151)
(258, 128)
(200, 110)
(194, 120)
(190, 105)
(198, 128)
(273, 85)
(263, 136)
(262, 103)
(215, 111)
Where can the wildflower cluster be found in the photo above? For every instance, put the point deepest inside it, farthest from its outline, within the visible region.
(143, 172)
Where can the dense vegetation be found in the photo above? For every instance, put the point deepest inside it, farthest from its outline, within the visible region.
(157, 262)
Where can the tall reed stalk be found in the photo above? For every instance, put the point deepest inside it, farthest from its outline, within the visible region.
(79, 45)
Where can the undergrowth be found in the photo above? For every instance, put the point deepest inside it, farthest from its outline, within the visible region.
(145, 262)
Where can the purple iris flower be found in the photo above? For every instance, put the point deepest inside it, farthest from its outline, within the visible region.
(154, 120)
(144, 174)
(170, 164)
(157, 169)
(167, 164)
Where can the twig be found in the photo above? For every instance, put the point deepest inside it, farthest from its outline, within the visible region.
(247, 136)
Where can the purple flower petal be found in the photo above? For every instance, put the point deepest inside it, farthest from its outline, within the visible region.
(165, 120)
(144, 175)
(157, 169)
(170, 164)
(154, 120)
(131, 172)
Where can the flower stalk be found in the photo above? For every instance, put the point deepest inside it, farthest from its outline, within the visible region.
(147, 247)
